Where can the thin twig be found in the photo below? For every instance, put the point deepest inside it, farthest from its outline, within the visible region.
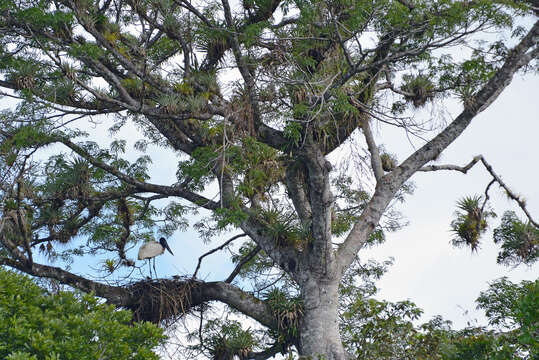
(243, 261)
(221, 247)
(486, 195)
(518, 199)
(496, 178)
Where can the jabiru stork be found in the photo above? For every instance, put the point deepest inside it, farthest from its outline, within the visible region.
(152, 249)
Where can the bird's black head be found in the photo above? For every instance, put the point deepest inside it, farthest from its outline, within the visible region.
(164, 244)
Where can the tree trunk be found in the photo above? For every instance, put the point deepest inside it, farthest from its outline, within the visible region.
(319, 329)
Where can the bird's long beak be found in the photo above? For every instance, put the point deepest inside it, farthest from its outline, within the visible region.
(166, 247)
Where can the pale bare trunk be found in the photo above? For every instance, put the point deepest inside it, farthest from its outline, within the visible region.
(319, 331)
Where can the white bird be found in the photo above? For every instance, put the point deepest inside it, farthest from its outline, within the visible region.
(151, 249)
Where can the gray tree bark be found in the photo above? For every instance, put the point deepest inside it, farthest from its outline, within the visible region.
(319, 330)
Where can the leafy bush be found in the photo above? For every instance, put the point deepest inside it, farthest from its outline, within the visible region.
(37, 325)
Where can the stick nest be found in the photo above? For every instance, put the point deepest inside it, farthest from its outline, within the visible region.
(161, 300)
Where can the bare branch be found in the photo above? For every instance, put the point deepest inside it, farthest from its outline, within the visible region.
(521, 202)
(496, 178)
(486, 198)
(376, 162)
(462, 169)
(221, 247)
(242, 262)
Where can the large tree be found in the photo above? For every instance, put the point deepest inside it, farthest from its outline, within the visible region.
(309, 77)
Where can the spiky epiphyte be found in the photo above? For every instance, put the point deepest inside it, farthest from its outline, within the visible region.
(420, 90)
(519, 240)
(470, 222)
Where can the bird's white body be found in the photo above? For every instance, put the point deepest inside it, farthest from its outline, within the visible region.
(150, 250)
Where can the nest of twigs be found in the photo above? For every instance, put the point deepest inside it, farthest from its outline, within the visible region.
(161, 300)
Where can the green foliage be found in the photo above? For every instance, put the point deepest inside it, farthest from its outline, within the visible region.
(377, 329)
(67, 196)
(514, 307)
(513, 310)
(199, 167)
(288, 311)
(89, 49)
(230, 216)
(26, 136)
(259, 166)
(253, 32)
(519, 240)
(470, 222)
(341, 223)
(284, 230)
(315, 76)
(227, 339)
(292, 131)
(526, 314)
(163, 48)
(350, 202)
(37, 325)
(500, 302)
(478, 344)
(383, 330)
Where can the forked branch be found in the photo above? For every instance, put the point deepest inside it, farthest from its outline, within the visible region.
(518, 57)
(220, 247)
(496, 178)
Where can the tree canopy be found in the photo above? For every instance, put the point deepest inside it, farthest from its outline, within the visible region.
(256, 99)
(36, 325)
(383, 330)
